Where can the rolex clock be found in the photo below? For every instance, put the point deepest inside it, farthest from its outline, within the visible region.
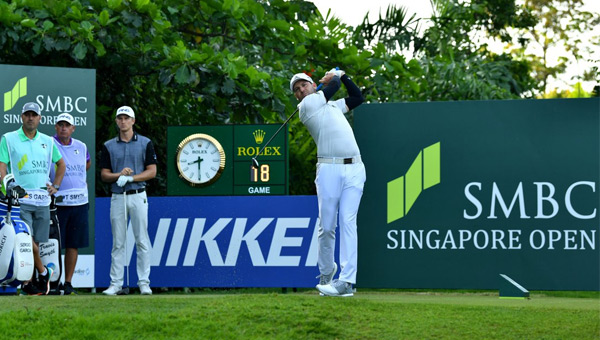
(200, 160)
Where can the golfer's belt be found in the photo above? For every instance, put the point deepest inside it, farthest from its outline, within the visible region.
(339, 160)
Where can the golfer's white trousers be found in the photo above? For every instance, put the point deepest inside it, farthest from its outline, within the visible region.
(339, 190)
(137, 213)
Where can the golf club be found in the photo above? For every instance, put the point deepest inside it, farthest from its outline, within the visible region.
(254, 161)
(125, 290)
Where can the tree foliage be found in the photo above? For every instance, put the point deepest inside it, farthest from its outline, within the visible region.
(189, 62)
(458, 62)
(576, 92)
(561, 27)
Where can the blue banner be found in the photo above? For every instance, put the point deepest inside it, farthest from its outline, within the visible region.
(232, 241)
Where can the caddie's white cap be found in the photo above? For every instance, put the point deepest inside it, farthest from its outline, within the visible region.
(33, 107)
(125, 110)
(299, 76)
(65, 117)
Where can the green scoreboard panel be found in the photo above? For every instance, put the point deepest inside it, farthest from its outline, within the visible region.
(194, 167)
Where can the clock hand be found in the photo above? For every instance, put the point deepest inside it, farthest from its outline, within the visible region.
(199, 172)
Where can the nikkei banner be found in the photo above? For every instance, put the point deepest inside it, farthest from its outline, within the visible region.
(56, 90)
(460, 192)
(221, 241)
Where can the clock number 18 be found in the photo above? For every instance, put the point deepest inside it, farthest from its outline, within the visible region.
(261, 173)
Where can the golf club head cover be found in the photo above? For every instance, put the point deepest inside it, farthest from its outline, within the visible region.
(6, 181)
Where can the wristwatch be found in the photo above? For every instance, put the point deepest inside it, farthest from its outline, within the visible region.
(56, 186)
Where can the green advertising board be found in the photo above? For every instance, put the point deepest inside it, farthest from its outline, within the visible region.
(56, 90)
(458, 193)
(211, 160)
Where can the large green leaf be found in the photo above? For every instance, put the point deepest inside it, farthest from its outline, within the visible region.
(80, 51)
(28, 23)
(103, 18)
(183, 75)
(114, 4)
(228, 87)
(141, 4)
(100, 50)
(47, 25)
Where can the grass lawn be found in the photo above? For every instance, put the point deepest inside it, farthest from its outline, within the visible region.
(269, 314)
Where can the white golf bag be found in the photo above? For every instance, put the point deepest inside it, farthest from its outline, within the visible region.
(16, 244)
(50, 251)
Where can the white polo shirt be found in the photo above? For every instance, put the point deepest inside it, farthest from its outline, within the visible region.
(328, 126)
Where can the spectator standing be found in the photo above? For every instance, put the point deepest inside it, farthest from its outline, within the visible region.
(73, 210)
(127, 162)
(29, 154)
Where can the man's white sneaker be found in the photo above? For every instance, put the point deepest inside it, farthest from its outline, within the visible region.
(336, 288)
(326, 279)
(145, 289)
(112, 290)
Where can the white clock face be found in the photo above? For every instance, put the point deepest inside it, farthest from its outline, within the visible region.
(200, 159)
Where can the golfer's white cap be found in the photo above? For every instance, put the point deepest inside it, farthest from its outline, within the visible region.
(65, 117)
(299, 76)
(125, 110)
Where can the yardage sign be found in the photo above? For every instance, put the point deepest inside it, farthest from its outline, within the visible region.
(239, 143)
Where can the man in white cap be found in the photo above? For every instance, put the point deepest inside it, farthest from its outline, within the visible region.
(340, 174)
(72, 211)
(128, 161)
(29, 155)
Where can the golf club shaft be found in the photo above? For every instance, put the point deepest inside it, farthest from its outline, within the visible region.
(276, 132)
(281, 127)
(126, 246)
